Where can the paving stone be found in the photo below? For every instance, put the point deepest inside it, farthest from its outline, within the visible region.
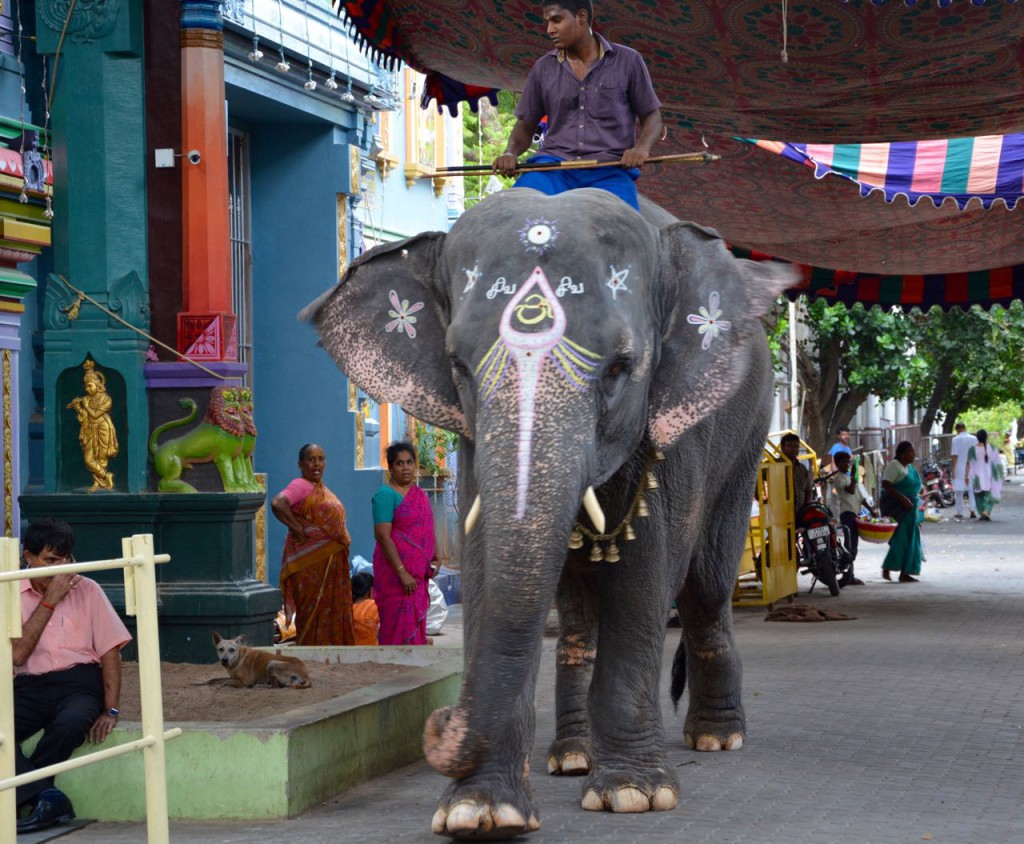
(904, 723)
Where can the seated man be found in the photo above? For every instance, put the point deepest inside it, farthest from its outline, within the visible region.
(600, 105)
(789, 445)
(67, 670)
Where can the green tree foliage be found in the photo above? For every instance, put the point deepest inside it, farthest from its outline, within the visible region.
(484, 135)
(972, 360)
(847, 355)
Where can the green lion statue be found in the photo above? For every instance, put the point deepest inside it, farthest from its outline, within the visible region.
(218, 439)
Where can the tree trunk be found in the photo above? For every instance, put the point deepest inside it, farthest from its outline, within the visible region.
(942, 384)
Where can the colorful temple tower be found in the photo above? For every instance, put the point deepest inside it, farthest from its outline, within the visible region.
(214, 166)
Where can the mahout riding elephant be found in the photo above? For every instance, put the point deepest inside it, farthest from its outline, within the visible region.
(600, 366)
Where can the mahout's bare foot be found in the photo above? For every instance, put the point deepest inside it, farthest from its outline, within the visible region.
(906, 578)
(886, 575)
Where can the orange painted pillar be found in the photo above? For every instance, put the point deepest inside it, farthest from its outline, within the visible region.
(206, 326)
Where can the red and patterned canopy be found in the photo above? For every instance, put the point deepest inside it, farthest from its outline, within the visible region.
(817, 71)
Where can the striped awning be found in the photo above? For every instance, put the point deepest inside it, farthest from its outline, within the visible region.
(987, 169)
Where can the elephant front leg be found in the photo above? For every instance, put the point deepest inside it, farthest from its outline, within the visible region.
(715, 719)
(630, 772)
(495, 801)
(570, 753)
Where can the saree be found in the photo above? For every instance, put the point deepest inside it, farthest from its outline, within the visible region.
(403, 618)
(986, 477)
(315, 572)
(905, 552)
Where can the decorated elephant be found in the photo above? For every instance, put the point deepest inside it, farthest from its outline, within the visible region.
(590, 357)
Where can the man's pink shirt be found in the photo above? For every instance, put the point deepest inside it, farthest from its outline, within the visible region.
(82, 628)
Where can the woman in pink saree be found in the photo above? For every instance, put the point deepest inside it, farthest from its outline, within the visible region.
(314, 567)
(403, 558)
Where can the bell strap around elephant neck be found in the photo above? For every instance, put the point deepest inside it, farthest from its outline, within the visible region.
(637, 509)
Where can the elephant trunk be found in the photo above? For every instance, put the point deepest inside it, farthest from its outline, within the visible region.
(511, 564)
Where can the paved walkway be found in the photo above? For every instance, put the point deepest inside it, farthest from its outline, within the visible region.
(902, 726)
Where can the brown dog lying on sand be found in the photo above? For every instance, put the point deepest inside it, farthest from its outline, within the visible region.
(249, 667)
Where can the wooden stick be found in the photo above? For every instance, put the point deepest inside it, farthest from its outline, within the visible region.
(585, 164)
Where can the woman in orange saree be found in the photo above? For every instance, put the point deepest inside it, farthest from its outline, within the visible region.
(314, 566)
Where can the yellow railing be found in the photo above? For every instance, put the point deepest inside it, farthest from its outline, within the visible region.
(139, 565)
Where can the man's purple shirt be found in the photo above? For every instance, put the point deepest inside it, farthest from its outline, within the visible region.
(593, 118)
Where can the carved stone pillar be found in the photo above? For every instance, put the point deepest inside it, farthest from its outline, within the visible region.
(99, 234)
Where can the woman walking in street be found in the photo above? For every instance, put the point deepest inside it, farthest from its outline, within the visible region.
(985, 475)
(901, 485)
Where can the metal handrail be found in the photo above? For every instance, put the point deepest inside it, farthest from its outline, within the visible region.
(139, 565)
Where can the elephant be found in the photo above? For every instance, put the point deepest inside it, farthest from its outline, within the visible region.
(609, 377)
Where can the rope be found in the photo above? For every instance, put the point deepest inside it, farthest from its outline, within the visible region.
(82, 296)
(56, 56)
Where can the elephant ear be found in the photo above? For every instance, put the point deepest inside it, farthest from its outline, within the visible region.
(384, 325)
(712, 309)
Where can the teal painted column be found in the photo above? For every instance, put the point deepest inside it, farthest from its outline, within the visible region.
(99, 238)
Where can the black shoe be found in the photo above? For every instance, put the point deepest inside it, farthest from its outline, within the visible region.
(52, 808)
(845, 581)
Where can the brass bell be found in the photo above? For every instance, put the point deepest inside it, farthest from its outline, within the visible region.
(596, 554)
(629, 534)
(641, 509)
(575, 540)
(652, 482)
(611, 554)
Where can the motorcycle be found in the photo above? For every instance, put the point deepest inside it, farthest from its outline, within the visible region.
(821, 543)
(938, 488)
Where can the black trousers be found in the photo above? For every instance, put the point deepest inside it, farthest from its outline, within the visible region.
(849, 521)
(64, 705)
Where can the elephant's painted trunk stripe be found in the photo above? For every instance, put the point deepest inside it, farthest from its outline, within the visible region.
(534, 304)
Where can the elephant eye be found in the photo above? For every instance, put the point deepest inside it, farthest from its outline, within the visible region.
(617, 368)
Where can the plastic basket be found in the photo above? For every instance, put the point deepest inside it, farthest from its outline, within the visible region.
(875, 532)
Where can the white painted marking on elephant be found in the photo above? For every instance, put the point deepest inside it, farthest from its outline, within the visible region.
(472, 276)
(529, 350)
(402, 315)
(617, 283)
(708, 320)
(566, 286)
(538, 235)
(501, 286)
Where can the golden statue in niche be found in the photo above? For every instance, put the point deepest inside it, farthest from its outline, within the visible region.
(96, 430)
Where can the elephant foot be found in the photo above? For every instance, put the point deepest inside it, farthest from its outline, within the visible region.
(486, 809)
(719, 731)
(653, 790)
(570, 757)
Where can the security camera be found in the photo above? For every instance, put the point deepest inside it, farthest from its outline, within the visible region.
(194, 157)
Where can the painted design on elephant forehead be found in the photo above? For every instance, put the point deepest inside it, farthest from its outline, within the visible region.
(538, 235)
(535, 306)
(617, 283)
(566, 286)
(708, 320)
(472, 277)
(501, 286)
(402, 315)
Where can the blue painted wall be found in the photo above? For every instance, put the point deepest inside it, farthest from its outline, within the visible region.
(300, 395)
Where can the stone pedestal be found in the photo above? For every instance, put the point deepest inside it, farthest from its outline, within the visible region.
(210, 582)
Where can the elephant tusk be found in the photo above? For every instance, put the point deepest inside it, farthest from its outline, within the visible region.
(472, 516)
(594, 509)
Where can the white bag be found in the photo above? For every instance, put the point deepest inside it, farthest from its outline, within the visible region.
(437, 612)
